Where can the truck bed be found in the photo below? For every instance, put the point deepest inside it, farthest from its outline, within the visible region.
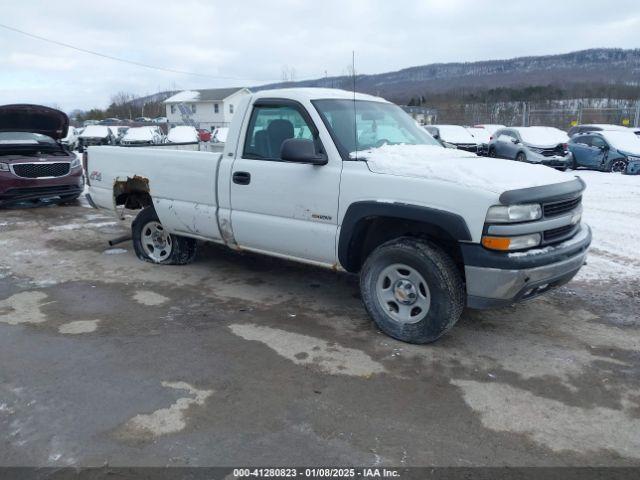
(181, 183)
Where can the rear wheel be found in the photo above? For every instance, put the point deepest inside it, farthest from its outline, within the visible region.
(619, 165)
(492, 153)
(152, 243)
(412, 290)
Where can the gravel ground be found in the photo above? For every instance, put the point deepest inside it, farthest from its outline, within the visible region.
(245, 360)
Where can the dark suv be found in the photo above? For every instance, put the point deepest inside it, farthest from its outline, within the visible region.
(34, 164)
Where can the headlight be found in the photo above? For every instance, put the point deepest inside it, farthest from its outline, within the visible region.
(633, 159)
(514, 213)
(520, 242)
(75, 163)
(4, 167)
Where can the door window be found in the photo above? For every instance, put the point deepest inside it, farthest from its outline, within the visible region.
(598, 142)
(269, 127)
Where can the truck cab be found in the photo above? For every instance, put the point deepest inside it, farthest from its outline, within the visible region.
(350, 182)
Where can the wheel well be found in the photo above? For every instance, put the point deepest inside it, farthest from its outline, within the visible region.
(133, 193)
(370, 233)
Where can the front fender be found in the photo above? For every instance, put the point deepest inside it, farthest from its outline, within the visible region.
(358, 213)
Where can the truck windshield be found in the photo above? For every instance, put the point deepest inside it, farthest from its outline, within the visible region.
(364, 125)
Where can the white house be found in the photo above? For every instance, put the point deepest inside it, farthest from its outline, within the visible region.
(207, 108)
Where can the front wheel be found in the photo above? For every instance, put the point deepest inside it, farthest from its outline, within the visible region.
(521, 157)
(152, 243)
(493, 153)
(412, 290)
(618, 166)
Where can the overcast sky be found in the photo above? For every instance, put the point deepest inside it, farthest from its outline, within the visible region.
(249, 42)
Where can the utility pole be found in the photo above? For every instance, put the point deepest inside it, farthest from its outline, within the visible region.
(524, 114)
(636, 120)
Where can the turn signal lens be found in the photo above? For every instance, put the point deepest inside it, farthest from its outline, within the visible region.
(496, 243)
(504, 244)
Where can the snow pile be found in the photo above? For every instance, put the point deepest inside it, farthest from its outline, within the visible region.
(456, 166)
(611, 207)
(455, 134)
(480, 135)
(182, 134)
(542, 136)
(220, 134)
(185, 96)
(95, 131)
(139, 134)
(626, 141)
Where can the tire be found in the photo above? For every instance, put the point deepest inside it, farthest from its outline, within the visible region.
(492, 153)
(521, 157)
(618, 165)
(153, 245)
(437, 289)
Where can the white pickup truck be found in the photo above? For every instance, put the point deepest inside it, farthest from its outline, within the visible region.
(352, 183)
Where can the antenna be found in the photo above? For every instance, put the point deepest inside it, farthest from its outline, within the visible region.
(355, 120)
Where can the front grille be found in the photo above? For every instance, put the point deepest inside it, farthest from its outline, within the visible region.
(467, 147)
(558, 208)
(41, 170)
(550, 152)
(556, 234)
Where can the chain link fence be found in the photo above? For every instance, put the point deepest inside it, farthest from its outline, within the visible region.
(627, 113)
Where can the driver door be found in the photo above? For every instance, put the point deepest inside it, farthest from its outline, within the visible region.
(284, 208)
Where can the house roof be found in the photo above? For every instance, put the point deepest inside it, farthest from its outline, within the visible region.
(204, 95)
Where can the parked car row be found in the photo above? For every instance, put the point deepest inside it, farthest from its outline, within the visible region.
(611, 148)
(118, 121)
(80, 138)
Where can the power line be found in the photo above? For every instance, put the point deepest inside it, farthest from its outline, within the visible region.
(117, 59)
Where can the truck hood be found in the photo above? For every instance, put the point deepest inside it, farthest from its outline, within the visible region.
(34, 119)
(437, 163)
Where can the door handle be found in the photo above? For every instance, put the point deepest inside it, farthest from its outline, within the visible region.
(242, 178)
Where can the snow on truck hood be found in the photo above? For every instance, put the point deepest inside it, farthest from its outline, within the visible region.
(456, 166)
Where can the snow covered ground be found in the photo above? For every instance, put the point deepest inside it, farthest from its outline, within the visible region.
(612, 209)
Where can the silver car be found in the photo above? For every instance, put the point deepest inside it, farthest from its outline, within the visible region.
(542, 145)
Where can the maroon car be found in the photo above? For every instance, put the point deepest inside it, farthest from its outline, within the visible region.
(34, 164)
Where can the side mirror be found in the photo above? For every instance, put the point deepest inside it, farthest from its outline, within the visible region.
(301, 150)
(515, 141)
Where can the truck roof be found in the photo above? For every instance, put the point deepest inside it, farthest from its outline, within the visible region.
(301, 94)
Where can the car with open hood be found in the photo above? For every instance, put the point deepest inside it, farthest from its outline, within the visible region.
(349, 182)
(541, 145)
(607, 151)
(34, 164)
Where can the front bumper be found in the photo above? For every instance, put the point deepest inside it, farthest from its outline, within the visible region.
(555, 162)
(633, 168)
(17, 189)
(498, 279)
